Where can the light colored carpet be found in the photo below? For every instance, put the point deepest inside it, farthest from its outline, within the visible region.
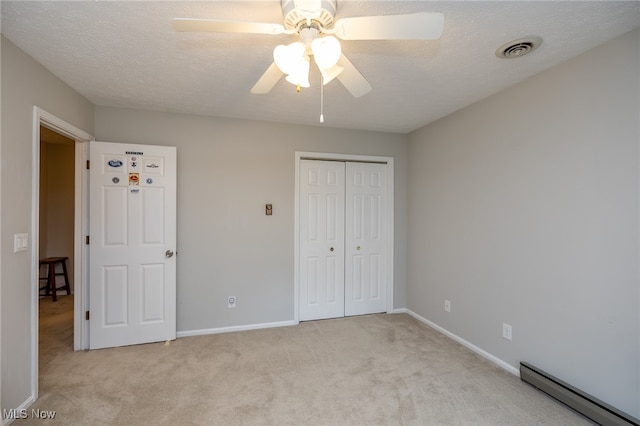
(368, 370)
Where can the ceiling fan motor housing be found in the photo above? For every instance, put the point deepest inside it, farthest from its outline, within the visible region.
(294, 20)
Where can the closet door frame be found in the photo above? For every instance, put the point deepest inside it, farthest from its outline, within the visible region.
(302, 155)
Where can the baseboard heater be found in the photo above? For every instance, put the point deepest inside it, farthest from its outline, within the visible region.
(585, 404)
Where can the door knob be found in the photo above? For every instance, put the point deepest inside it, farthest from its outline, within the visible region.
(168, 253)
(358, 248)
(331, 249)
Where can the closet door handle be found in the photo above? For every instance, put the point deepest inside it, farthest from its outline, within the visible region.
(358, 248)
(331, 249)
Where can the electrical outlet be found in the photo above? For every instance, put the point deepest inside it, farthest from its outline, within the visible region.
(506, 331)
(447, 305)
(231, 302)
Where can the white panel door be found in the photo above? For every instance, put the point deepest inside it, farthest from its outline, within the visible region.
(321, 223)
(132, 270)
(365, 239)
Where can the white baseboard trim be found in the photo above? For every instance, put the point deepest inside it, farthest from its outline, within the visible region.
(22, 406)
(203, 332)
(218, 330)
(510, 368)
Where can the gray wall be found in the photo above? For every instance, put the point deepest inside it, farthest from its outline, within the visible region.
(25, 83)
(523, 208)
(227, 171)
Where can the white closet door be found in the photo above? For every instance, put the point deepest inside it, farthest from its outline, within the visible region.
(365, 245)
(322, 196)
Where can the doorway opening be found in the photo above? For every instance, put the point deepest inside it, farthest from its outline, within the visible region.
(56, 245)
(57, 140)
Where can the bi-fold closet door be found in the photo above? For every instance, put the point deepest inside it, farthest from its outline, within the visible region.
(342, 239)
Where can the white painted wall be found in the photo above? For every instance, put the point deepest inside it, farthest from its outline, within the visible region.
(227, 171)
(25, 83)
(524, 209)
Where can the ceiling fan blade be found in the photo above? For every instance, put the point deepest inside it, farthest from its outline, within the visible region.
(269, 79)
(351, 78)
(414, 26)
(225, 26)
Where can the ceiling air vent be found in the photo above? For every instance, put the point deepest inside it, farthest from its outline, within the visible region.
(518, 48)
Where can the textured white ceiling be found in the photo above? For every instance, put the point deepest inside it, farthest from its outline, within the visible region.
(126, 54)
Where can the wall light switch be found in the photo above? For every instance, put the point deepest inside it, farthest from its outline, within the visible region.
(269, 209)
(20, 242)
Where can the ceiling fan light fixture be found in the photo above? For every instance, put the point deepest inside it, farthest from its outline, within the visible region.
(326, 51)
(314, 21)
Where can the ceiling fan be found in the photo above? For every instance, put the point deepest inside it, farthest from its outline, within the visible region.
(318, 33)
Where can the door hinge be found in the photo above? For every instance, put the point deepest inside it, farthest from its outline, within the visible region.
(86, 315)
(88, 164)
(86, 240)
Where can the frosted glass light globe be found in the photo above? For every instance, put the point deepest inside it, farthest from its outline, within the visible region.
(326, 51)
(300, 74)
(286, 57)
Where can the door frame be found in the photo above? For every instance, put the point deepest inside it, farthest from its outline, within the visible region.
(303, 155)
(80, 252)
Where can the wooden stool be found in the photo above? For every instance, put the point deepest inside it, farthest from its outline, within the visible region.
(51, 262)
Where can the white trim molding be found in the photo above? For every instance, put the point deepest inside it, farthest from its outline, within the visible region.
(231, 329)
(20, 409)
(500, 363)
